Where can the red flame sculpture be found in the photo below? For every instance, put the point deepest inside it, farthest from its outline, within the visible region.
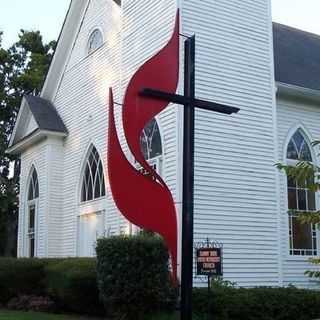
(145, 202)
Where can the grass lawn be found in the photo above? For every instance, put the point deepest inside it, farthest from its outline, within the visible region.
(15, 315)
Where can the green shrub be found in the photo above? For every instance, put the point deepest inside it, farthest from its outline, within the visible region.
(72, 283)
(133, 275)
(229, 303)
(133, 279)
(20, 276)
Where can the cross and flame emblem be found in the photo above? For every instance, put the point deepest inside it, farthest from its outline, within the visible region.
(145, 202)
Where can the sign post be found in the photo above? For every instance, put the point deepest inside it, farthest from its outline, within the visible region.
(190, 102)
(209, 263)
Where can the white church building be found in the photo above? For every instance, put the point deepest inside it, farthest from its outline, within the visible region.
(270, 71)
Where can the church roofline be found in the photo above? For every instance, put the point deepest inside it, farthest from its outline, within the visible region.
(296, 57)
(46, 117)
(289, 90)
(66, 40)
(291, 47)
(45, 114)
(34, 137)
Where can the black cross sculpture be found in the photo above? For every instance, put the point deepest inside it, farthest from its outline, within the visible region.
(189, 101)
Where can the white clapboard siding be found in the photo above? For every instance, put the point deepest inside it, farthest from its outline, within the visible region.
(81, 101)
(55, 165)
(291, 115)
(37, 157)
(238, 198)
(147, 27)
(235, 181)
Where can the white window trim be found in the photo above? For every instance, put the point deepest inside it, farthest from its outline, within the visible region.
(30, 203)
(87, 53)
(94, 201)
(92, 206)
(101, 213)
(158, 161)
(291, 162)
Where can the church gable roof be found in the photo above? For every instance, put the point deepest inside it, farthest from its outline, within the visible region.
(296, 57)
(37, 119)
(67, 37)
(45, 114)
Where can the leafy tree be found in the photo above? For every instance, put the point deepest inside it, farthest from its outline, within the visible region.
(307, 175)
(22, 71)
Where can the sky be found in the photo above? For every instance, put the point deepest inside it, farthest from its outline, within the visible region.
(44, 15)
(302, 14)
(48, 16)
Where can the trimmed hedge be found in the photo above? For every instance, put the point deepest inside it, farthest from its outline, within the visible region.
(134, 280)
(133, 275)
(20, 276)
(72, 283)
(229, 303)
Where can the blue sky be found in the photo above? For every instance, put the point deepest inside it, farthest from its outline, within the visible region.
(44, 15)
(48, 15)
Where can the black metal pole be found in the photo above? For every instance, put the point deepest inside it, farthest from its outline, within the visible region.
(188, 182)
(209, 291)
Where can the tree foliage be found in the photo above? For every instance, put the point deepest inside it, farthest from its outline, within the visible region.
(306, 175)
(22, 70)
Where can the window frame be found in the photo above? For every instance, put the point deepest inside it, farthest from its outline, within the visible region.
(149, 150)
(90, 34)
(156, 163)
(293, 162)
(31, 203)
(82, 178)
(84, 215)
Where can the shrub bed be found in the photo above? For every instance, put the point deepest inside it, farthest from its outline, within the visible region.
(72, 283)
(229, 303)
(134, 280)
(133, 275)
(19, 277)
(32, 303)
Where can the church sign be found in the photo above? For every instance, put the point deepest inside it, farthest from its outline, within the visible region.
(209, 262)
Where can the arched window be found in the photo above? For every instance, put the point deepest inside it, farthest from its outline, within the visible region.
(298, 148)
(33, 192)
(93, 185)
(33, 195)
(95, 40)
(151, 145)
(151, 140)
(303, 237)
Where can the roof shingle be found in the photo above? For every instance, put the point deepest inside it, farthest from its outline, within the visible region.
(296, 57)
(45, 114)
